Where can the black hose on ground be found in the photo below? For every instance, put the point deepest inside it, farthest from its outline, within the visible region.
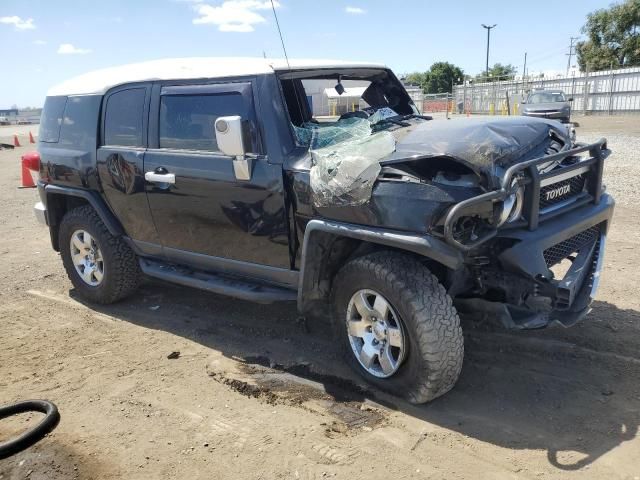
(28, 438)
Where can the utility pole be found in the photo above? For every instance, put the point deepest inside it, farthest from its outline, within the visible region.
(488, 27)
(572, 51)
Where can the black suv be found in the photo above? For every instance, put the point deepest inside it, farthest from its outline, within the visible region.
(215, 173)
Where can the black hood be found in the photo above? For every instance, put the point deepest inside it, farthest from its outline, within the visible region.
(482, 145)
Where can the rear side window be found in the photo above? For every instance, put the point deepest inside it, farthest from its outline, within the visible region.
(123, 118)
(80, 121)
(187, 121)
(51, 119)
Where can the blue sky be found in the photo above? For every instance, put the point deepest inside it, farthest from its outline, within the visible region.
(46, 41)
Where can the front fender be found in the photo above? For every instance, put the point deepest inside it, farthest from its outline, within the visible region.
(319, 236)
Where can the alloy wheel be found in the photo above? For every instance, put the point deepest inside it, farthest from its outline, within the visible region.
(376, 333)
(87, 257)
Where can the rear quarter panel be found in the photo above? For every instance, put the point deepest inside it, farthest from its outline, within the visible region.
(71, 161)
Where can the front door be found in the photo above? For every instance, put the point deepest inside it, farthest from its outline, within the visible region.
(203, 214)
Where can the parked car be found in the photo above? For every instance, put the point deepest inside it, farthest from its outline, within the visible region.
(214, 173)
(548, 104)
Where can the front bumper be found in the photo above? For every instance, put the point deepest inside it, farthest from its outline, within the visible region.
(525, 270)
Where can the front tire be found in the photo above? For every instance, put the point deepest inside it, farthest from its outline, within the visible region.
(398, 326)
(101, 267)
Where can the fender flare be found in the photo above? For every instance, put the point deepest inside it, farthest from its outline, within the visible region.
(98, 204)
(423, 245)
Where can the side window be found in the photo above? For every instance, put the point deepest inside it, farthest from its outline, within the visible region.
(187, 121)
(52, 119)
(80, 121)
(123, 118)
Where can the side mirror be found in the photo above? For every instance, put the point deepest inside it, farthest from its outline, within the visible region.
(523, 101)
(229, 135)
(570, 99)
(230, 139)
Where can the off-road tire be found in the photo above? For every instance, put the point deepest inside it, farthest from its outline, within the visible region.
(122, 273)
(435, 353)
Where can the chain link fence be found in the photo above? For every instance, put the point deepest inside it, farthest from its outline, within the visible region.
(605, 92)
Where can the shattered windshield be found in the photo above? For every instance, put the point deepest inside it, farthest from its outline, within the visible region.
(342, 118)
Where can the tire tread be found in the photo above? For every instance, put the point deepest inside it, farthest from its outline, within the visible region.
(123, 271)
(437, 325)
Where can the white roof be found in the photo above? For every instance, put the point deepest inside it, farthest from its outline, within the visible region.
(99, 81)
(348, 92)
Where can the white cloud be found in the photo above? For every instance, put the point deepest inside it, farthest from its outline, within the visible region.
(233, 15)
(68, 49)
(355, 10)
(19, 23)
(39, 42)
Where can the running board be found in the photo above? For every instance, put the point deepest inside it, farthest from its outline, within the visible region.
(216, 283)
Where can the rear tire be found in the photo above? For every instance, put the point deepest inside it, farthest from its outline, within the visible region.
(115, 266)
(432, 341)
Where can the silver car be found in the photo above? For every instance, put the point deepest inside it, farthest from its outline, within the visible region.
(548, 104)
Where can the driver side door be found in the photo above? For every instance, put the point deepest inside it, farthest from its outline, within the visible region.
(206, 217)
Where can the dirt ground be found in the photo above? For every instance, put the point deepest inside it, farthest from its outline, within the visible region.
(253, 395)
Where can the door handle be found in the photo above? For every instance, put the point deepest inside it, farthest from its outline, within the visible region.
(160, 177)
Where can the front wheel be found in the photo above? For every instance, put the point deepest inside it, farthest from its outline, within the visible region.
(398, 326)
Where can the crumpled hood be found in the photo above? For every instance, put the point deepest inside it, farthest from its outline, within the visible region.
(480, 144)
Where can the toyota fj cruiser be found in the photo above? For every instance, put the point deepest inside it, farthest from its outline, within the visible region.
(217, 174)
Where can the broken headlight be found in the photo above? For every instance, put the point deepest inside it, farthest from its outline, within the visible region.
(512, 205)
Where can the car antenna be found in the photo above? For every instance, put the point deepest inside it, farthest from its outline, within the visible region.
(286, 57)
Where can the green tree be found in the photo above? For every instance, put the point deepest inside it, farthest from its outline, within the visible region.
(497, 72)
(613, 37)
(438, 78)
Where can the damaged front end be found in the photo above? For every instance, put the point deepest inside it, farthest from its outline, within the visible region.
(533, 235)
(523, 205)
(517, 206)
(544, 266)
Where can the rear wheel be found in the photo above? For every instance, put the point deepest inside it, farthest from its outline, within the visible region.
(101, 267)
(398, 326)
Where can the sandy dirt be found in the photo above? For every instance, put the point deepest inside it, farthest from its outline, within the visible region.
(253, 395)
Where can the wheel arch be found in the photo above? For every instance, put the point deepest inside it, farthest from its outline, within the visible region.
(60, 200)
(328, 245)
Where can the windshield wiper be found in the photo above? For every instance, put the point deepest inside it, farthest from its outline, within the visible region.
(416, 115)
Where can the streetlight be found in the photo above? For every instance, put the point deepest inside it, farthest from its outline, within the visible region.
(488, 36)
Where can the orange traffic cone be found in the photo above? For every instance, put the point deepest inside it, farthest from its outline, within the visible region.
(16, 142)
(27, 180)
(31, 140)
(30, 163)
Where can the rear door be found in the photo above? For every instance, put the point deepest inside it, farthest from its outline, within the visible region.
(120, 160)
(207, 216)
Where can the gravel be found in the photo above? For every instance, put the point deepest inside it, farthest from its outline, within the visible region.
(622, 168)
